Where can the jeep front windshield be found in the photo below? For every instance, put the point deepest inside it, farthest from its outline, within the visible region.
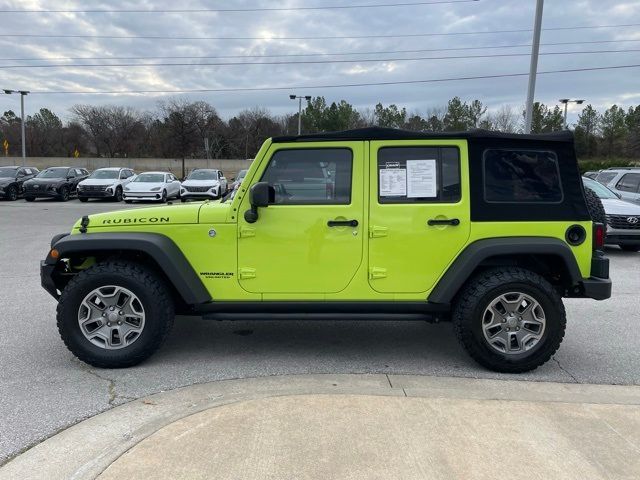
(203, 175)
(104, 174)
(8, 172)
(53, 173)
(150, 178)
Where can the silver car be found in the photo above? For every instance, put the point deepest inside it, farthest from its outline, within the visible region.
(623, 181)
(623, 218)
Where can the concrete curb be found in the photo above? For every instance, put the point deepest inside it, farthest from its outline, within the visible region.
(85, 450)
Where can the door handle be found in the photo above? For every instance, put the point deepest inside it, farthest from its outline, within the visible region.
(342, 223)
(450, 221)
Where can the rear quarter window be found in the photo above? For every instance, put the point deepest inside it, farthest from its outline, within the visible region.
(521, 176)
(605, 177)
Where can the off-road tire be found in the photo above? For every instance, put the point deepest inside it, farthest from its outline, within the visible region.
(12, 193)
(595, 207)
(30, 199)
(83, 199)
(630, 248)
(480, 291)
(152, 292)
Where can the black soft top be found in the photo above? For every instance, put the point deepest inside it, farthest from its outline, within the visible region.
(378, 133)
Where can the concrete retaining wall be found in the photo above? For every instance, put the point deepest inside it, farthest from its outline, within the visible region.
(230, 167)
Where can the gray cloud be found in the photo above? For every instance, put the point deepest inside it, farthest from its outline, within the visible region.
(599, 88)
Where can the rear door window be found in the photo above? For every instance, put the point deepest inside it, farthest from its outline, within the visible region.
(521, 176)
(630, 182)
(311, 176)
(419, 175)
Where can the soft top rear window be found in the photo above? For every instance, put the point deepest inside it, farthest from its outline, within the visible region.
(521, 176)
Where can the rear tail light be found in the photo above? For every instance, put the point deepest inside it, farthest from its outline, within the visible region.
(598, 236)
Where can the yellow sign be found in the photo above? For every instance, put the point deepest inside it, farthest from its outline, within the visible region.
(5, 144)
(76, 153)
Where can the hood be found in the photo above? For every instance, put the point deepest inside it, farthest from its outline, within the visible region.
(46, 181)
(200, 183)
(98, 181)
(614, 206)
(143, 186)
(186, 213)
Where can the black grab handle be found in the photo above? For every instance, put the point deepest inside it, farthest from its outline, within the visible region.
(452, 221)
(342, 223)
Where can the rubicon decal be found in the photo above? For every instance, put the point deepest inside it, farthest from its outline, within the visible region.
(115, 221)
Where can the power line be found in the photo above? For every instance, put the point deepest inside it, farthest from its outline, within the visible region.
(241, 10)
(380, 52)
(303, 62)
(345, 85)
(336, 37)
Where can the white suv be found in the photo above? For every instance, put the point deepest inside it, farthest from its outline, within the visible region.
(623, 181)
(204, 183)
(105, 183)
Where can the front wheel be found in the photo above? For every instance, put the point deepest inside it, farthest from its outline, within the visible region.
(12, 193)
(83, 199)
(118, 195)
(64, 194)
(164, 197)
(30, 199)
(115, 314)
(509, 320)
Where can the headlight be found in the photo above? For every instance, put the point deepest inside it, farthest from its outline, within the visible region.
(109, 190)
(182, 190)
(156, 189)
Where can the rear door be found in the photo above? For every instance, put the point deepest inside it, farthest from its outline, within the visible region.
(419, 212)
(629, 187)
(308, 240)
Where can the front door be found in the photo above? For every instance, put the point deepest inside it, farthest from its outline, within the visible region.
(419, 214)
(309, 240)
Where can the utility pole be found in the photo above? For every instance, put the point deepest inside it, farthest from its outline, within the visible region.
(533, 69)
(22, 93)
(567, 101)
(300, 97)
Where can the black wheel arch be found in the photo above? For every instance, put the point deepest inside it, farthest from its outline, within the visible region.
(550, 257)
(153, 249)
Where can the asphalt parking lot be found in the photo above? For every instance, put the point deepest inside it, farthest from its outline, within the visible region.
(43, 388)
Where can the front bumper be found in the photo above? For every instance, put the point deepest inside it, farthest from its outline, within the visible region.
(42, 193)
(95, 194)
(46, 279)
(154, 196)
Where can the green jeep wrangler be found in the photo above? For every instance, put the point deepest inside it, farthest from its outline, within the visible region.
(488, 230)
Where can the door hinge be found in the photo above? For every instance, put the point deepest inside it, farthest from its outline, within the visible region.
(377, 272)
(245, 232)
(376, 232)
(246, 273)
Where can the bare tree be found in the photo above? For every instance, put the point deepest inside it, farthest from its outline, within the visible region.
(505, 119)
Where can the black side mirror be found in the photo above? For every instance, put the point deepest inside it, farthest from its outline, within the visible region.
(261, 194)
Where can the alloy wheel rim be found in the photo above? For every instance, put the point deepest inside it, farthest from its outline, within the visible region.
(513, 323)
(111, 317)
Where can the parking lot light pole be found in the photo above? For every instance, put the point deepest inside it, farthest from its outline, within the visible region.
(22, 95)
(566, 102)
(300, 97)
(533, 68)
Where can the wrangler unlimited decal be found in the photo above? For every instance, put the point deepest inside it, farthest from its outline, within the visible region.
(136, 220)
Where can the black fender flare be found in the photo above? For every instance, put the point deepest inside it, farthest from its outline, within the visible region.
(475, 253)
(159, 247)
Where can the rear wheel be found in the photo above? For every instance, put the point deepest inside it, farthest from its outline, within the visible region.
(509, 320)
(115, 314)
(630, 248)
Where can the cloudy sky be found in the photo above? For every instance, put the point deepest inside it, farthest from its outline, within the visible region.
(452, 29)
